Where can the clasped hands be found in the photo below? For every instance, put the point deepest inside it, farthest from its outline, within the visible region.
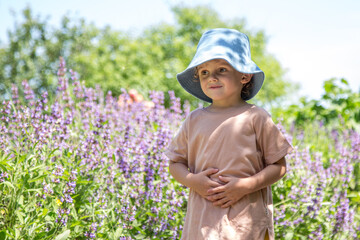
(222, 195)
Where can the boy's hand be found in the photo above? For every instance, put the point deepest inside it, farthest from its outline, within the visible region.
(236, 188)
(228, 194)
(201, 182)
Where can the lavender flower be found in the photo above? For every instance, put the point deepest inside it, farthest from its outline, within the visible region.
(97, 163)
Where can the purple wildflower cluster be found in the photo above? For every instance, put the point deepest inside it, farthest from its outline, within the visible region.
(3, 176)
(94, 165)
(312, 199)
(62, 216)
(98, 164)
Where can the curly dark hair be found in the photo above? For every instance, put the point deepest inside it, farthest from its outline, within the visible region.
(196, 75)
(246, 90)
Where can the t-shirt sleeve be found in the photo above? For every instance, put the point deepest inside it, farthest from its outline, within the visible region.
(271, 142)
(177, 150)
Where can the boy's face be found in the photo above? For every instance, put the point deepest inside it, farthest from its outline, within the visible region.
(221, 82)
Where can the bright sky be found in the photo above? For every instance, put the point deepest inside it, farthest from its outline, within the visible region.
(315, 40)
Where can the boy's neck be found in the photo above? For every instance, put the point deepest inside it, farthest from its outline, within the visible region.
(217, 106)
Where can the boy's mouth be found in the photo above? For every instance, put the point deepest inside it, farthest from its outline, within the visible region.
(215, 87)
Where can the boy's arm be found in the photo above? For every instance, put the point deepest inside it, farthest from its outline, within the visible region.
(199, 182)
(236, 188)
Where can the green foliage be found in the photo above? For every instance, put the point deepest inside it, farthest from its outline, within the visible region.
(115, 60)
(86, 164)
(34, 49)
(322, 177)
(83, 165)
(338, 107)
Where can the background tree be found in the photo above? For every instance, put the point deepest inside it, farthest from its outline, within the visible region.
(115, 60)
(338, 107)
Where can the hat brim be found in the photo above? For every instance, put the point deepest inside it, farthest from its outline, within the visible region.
(192, 85)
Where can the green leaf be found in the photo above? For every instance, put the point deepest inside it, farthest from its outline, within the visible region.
(3, 167)
(151, 214)
(328, 85)
(34, 190)
(4, 163)
(155, 126)
(20, 216)
(344, 81)
(2, 235)
(83, 182)
(289, 236)
(40, 236)
(118, 233)
(21, 200)
(37, 178)
(63, 236)
(140, 236)
(52, 152)
(22, 159)
(85, 217)
(17, 233)
(7, 183)
(77, 223)
(36, 167)
(45, 211)
(10, 232)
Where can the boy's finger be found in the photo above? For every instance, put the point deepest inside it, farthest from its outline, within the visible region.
(221, 202)
(210, 171)
(214, 184)
(216, 190)
(225, 179)
(215, 197)
(228, 204)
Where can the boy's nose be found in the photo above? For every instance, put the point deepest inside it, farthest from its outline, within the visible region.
(213, 78)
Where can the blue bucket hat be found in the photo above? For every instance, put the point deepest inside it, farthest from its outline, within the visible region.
(222, 43)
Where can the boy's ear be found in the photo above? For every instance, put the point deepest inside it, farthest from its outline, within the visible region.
(246, 77)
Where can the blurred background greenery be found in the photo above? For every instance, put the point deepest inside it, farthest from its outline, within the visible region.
(114, 60)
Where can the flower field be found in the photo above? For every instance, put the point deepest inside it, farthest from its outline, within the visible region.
(80, 165)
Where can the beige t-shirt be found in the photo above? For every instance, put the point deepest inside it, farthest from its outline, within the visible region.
(240, 142)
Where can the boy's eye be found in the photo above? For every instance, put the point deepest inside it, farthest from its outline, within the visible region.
(222, 70)
(204, 72)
